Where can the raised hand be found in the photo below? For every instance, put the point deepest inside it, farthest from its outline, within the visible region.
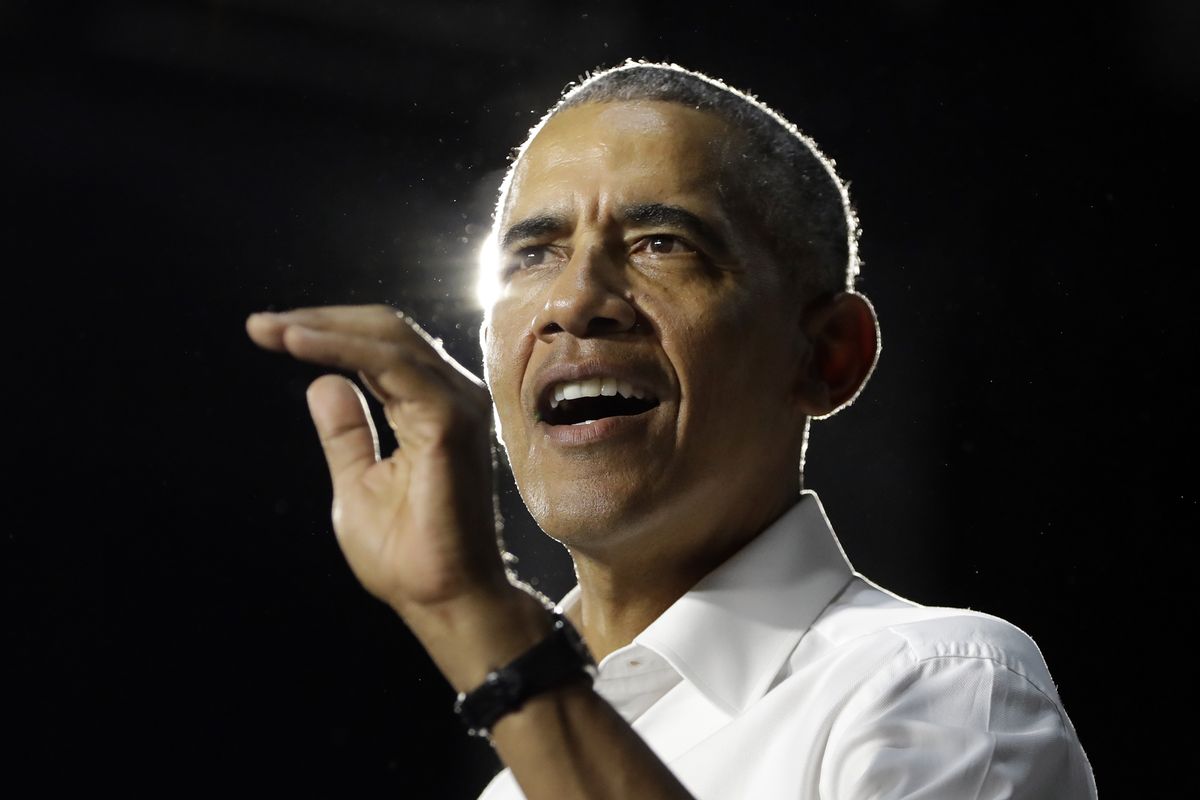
(417, 528)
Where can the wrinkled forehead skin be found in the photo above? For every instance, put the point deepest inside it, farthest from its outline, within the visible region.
(672, 152)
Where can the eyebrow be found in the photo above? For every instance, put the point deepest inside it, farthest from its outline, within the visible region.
(533, 228)
(649, 214)
(675, 217)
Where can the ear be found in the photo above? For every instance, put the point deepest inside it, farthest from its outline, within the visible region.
(844, 336)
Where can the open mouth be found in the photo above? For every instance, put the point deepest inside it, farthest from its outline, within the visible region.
(584, 402)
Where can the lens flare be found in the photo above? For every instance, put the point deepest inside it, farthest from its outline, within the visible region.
(487, 282)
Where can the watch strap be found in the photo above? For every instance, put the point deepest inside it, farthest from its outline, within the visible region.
(559, 659)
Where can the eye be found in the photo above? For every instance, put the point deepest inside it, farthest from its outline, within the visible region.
(663, 245)
(528, 258)
(532, 256)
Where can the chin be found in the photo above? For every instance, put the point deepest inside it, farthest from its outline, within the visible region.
(585, 516)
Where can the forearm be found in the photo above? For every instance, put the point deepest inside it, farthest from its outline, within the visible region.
(571, 743)
(562, 744)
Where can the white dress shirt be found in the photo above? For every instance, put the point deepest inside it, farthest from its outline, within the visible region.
(785, 674)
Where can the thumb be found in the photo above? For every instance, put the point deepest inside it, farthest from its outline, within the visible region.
(339, 412)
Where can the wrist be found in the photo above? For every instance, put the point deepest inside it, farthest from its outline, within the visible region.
(558, 661)
(470, 636)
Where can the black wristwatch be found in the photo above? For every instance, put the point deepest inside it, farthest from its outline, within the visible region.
(557, 660)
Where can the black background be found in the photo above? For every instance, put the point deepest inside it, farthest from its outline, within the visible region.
(179, 611)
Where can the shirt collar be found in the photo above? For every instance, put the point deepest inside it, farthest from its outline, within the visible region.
(731, 634)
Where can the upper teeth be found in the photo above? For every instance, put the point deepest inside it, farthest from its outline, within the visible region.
(594, 387)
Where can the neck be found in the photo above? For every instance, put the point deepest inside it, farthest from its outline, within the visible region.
(623, 590)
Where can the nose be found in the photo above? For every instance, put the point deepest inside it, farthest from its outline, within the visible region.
(588, 298)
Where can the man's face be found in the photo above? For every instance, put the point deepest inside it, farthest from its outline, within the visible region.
(625, 276)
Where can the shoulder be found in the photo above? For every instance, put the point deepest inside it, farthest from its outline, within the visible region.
(911, 636)
(944, 697)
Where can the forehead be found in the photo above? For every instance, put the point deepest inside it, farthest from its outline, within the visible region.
(620, 152)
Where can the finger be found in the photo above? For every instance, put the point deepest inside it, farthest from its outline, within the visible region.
(266, 330)
(393, 367)
(422, 402)
(379, 320)
(375, 389)
(339, 412)
(374, 321)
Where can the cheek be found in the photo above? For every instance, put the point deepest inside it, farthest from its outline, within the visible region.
(732, 355)
(709, 334)
(505, 355)
(499, 344)
(492, 367)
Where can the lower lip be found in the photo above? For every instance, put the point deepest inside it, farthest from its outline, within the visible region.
(598, 431)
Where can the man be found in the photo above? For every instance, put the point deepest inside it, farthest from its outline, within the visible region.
(673, 303)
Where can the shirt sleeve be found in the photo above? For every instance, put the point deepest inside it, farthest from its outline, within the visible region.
(954, 728)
